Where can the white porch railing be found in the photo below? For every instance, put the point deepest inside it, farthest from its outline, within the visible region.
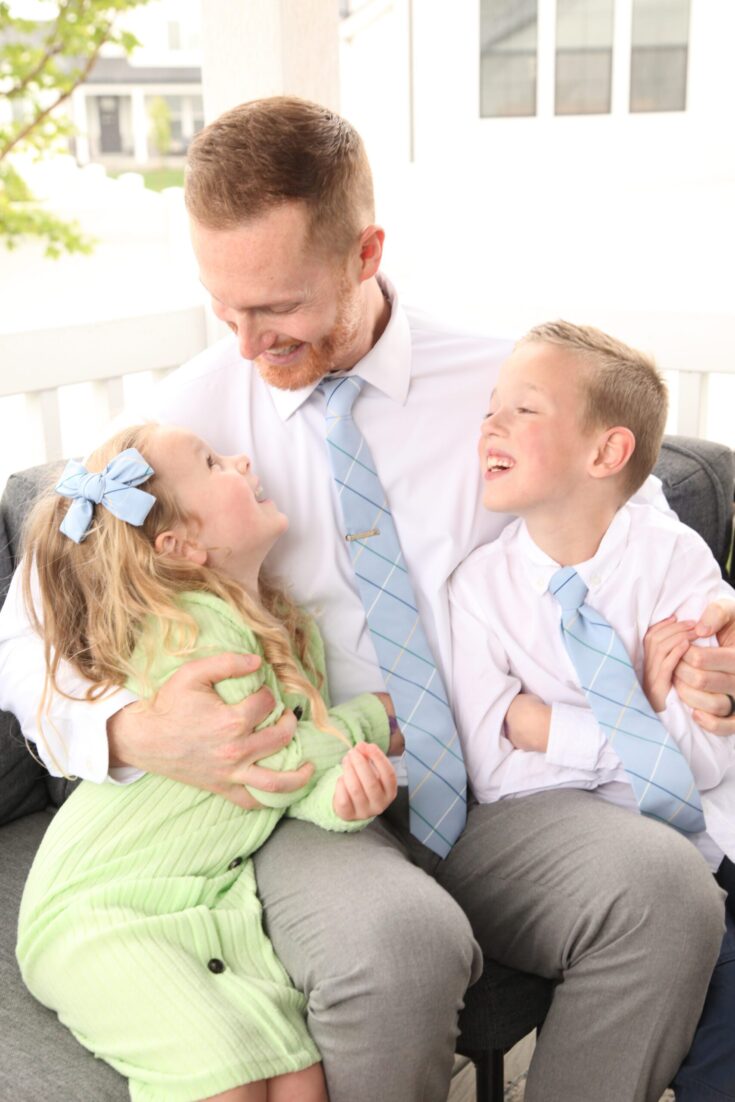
(99, 354)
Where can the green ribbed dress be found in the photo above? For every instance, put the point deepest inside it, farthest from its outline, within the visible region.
(140, 923)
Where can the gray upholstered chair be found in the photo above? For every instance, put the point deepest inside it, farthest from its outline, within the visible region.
(40, 1060)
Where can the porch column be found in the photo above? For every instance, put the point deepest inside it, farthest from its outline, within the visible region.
(253, 48)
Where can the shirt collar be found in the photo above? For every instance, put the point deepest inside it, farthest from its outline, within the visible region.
(386, 366)
(540, 567)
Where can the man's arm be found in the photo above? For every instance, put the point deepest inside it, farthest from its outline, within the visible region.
(189, 734)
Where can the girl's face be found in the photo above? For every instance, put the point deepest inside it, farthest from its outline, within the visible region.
(232, 519)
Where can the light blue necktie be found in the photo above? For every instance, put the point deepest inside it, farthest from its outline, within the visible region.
(437, 781)
(658, 772)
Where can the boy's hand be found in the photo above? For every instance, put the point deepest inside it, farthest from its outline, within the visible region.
(527, 723)
(664, 645)
(367, 785)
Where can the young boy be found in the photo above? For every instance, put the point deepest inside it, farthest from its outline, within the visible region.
(527, 724)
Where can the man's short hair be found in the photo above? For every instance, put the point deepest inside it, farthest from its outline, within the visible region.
(621, 386)
(278, 150)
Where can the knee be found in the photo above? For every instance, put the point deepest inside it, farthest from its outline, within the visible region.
(414, 945)
(670, 887)
(431, 936)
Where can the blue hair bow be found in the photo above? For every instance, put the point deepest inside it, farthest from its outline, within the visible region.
(114, 487)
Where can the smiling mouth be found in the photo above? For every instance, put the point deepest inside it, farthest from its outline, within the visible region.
(274, 355)
(499, 463)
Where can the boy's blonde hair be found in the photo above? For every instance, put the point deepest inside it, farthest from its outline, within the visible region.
(94, 597)
(620, 386)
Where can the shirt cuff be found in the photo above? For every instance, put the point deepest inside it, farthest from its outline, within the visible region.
(75, 743)
(575, 739)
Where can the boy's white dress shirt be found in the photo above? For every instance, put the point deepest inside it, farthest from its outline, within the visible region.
(506, 638)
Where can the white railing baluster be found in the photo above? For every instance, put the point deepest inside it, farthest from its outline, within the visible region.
(692, 403)
(43, 407)
(108, 398)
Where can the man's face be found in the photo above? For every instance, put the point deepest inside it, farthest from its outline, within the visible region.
(296, 310)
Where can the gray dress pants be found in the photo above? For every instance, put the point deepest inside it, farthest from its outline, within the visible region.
(378, 933)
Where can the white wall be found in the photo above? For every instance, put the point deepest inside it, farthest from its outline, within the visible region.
(625, 221)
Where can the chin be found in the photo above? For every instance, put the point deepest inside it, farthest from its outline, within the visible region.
(307, 372)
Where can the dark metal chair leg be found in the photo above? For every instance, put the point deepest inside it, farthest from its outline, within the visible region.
(489, 1075)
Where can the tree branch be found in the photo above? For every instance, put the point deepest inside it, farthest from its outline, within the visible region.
(81, 77)
(50, 53)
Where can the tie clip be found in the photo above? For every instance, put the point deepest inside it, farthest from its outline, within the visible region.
(363, 535)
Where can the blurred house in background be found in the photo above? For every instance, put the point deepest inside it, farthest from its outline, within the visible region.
(118, 108)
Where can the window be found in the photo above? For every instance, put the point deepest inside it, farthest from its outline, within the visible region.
(508, 47)
(584, 35)
(659, 54)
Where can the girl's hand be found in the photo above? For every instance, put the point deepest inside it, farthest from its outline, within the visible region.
(664, 645)
(397, 742)
(367, 785)
(527, 723)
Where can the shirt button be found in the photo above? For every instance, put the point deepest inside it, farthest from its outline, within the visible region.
(235, 862)
(215, 965)
(595, 580)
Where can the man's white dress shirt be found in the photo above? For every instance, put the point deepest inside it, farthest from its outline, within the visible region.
(420, 414)
(506, 638)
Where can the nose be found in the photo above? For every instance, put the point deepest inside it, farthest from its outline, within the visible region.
(493, 424)
(252, 337)
(242, 463)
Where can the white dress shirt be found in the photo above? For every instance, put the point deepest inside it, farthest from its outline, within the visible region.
(420, 414)
(506, 638)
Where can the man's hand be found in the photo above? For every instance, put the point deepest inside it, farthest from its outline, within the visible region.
(706, 675)
(527, 723)
(664, 645)
(189, 734)
(367, 785)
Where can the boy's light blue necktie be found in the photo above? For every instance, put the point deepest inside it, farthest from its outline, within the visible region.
(437, 781)
(658, 772)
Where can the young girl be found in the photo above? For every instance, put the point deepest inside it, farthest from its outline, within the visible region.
(140, 924)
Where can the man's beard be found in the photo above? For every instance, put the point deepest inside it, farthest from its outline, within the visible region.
(331, 352)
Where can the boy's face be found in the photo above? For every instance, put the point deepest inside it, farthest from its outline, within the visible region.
(533, 452)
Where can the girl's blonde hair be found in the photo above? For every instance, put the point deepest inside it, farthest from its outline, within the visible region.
(94, 597)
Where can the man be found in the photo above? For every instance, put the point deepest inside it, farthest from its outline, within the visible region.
(280, 199)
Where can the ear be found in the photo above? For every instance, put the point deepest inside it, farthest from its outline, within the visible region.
(178, 546)
(371, 251)
(612, 451)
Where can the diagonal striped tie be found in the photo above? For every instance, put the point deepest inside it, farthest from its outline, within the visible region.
(437, 782)
(658, 772)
